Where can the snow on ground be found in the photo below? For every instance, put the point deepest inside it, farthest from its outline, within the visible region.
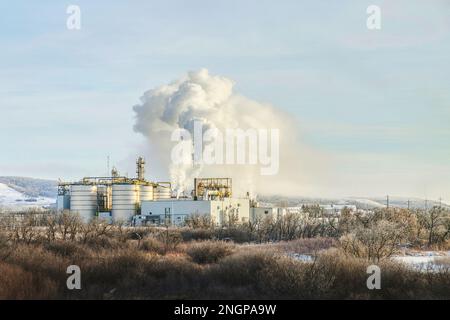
(427, 260)
(414, 260)
(301, 257)
(421, 261)
(10, 198)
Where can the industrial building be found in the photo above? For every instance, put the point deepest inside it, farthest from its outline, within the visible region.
(174, 211)
(137, 201)
(115, 197)
(260, 213)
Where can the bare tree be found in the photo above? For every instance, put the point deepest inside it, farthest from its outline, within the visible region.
(436, 223)
(68, 225)
(25, 229)
(51, 227)
(94, 230)
(198, 221)
(378, 241)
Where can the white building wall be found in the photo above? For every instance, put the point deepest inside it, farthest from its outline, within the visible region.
(178, 210)
(261, 213)
(222, 209)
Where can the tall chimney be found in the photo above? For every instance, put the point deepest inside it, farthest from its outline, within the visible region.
(140, 168)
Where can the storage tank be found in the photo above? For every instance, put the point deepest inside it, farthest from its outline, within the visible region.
(162, 192)
(104, 198)
(146, 193)
(83, 200)
(125, 198)
(63, 202)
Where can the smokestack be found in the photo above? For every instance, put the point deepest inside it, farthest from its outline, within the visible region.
(140, 169)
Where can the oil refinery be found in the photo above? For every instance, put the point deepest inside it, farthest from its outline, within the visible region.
(137, 201)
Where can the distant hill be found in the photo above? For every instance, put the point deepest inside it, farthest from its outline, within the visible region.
(359, 202)
(22, 191)
(27, 192)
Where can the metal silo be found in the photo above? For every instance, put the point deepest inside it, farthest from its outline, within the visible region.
(162, 192)
(146, 193)
(104, 198)
(83, 200)
(125, 199)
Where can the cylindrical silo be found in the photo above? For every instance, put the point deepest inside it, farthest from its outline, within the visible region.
(146, 193)
(83, 200)
(125, 198)
(104, 198)
(162, 192)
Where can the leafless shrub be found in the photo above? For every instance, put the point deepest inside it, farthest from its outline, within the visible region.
(25, 230)
(171, 239)
(379, 241)
(119, 231)
(244, 267)
(18, 284)
(66, 249)
(209, 251)
(68, 225)
(94, 230)
(197, 221)
(151, 244)
(189, 234)
(139, 233)
(307, 245)
(6, 246)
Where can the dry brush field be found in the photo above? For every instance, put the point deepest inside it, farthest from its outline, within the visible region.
(203, 262)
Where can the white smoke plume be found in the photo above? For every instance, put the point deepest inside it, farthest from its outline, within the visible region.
(210, 99)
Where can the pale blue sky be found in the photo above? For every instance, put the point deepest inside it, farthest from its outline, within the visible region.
(376, 103)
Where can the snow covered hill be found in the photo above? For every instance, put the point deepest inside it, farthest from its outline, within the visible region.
(20, 192)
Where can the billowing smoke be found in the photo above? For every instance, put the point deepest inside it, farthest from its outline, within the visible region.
(210, 100)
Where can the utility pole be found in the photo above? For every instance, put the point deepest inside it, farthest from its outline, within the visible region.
(387, 201)
(409, 204)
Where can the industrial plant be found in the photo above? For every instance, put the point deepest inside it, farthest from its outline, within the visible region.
(136, 201)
